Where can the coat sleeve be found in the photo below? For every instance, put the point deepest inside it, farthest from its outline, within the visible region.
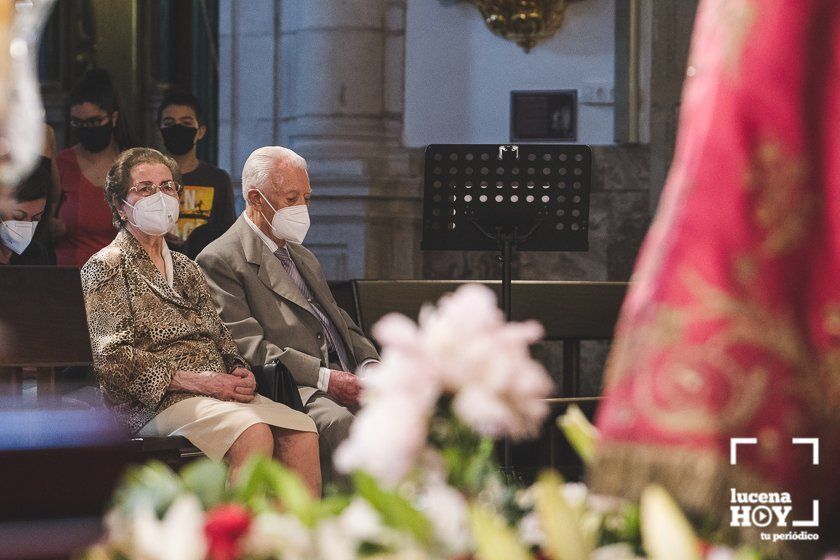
(120, 366)
(233, 306)
(224, 341)
(363, 348)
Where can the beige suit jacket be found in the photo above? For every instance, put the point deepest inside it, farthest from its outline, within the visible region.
(266, 313)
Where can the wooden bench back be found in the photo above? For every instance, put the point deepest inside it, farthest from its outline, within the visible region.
(42, 317)
(567, 310)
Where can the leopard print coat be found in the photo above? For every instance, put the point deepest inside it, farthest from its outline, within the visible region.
(142, 330)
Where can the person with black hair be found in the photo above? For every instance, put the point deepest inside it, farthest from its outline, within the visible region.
(21, 218)
(102, 133)
(207, 209)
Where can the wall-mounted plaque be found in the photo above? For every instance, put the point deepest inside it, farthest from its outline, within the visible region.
(543, 116)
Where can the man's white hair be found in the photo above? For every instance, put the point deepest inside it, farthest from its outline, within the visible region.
(260, 168)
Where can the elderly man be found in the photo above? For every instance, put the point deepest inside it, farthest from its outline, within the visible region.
(273, 297)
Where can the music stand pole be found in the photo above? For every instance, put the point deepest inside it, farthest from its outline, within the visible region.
(506, 244)
(506, 241)
(491, 197)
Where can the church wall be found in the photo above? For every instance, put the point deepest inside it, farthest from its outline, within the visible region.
(459, 75)
(359, 88)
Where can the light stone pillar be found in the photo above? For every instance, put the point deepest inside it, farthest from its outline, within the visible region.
(341, 103)
(669, 34)
(331, 88)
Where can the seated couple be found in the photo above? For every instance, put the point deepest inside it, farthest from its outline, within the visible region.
(169, 365)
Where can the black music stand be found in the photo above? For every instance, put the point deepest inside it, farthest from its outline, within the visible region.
(528, 197)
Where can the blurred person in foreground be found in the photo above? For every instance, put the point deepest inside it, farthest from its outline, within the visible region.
(273, 296)
(166, 363)
(731, 326)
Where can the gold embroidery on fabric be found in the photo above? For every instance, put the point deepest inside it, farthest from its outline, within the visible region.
(745, 271)
(698, 479)
(673, 345)
(826, 393)
(783, 209)
(831, 323)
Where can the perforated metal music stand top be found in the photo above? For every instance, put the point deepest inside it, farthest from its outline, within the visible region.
(471, 190)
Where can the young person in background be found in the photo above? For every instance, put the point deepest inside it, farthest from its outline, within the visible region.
(102, 134)
(207, 209)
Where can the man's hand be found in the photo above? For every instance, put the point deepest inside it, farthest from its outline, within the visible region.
(344, 387)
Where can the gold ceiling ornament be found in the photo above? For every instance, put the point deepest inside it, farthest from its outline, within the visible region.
(525, 22)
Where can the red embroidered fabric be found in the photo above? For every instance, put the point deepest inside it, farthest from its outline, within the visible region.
(731, 327)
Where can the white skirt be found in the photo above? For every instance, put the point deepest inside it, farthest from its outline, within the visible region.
(213, 425)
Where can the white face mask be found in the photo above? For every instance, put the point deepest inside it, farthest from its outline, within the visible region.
(17, 235)
(155, 214)
(290, 223)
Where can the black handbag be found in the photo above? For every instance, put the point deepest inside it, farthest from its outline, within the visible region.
(275, 381)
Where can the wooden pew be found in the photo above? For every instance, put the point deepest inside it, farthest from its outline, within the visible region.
(43, 325)
(569, 311)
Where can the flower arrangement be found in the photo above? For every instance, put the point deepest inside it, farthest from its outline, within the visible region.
(424, 481)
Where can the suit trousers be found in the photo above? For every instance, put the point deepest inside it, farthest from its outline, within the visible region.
(333, 422)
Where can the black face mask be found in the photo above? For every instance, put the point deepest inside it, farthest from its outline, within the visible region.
(96, 138)
(179, 139)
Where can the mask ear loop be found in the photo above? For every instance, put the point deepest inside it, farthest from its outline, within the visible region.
(130, 205)
(267, 202)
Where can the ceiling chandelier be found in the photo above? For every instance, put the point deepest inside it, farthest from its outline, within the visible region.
(525, 22)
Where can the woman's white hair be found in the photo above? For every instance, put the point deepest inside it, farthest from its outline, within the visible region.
(260, 167)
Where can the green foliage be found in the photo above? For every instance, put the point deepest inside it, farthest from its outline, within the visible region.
(153, 484)
(468, 458)
(623, 527)
(263, 485)
(396, 511)
(207, 480)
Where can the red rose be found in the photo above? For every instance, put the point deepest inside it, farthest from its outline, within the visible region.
(225, 525)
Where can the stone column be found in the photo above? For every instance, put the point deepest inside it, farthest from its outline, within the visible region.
(326, 80)
(341, 99)
(248, 95)
(669, 35)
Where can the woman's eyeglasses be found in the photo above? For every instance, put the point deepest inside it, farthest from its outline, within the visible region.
(148, 188)
(92, 122)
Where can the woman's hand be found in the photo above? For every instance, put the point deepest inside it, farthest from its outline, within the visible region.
(223, 386)
(248, 379)
(230, 387)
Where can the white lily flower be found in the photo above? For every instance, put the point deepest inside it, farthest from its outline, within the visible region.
(178, 536)
(273, 535)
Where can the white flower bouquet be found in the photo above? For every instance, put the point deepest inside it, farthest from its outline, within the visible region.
(420, 455)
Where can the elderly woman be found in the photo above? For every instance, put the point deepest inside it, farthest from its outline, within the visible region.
(166, 363)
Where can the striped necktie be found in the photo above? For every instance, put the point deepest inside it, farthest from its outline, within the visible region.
(334, 341)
